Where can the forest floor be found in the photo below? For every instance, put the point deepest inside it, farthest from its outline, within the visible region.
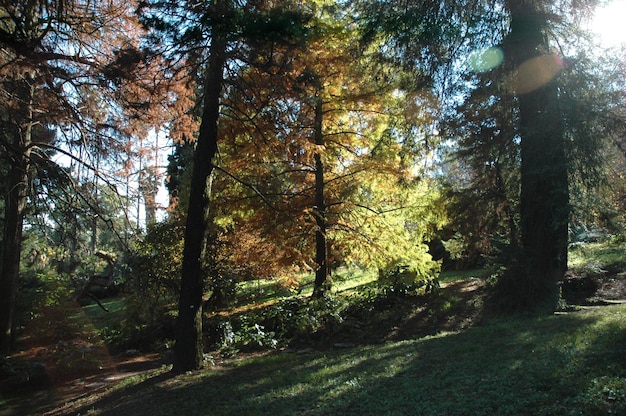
(52, 387)
(466, 359)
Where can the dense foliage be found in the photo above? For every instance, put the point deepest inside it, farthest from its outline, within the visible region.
(305, 139)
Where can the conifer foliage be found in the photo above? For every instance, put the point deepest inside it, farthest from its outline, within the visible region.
(308, 136)
(75, 81)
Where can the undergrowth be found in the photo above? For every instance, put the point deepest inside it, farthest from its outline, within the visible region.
(297, 321)
(566, 364)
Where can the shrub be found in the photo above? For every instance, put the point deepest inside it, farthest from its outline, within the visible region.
(404, 279)
(154, 273)
(152, 287)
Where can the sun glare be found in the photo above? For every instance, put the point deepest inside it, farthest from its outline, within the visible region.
(608, 23)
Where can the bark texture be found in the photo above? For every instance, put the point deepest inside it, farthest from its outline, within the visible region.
(15, 203)
(544, 200)
(189, 347)
(321, 256)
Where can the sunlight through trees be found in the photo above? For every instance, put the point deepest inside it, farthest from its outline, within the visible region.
(306, 140)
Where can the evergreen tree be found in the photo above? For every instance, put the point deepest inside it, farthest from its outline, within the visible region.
(67, 68)
(213, 35)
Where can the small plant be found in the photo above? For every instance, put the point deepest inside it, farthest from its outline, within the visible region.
(400, 279)
(606, 395)
(405, 279)
(252, 335)
(248, 335)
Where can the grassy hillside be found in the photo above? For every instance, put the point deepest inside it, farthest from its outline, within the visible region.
(567, 364)
(375, 354)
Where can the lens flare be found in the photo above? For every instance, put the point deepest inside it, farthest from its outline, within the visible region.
(486, 59)
(535, 73)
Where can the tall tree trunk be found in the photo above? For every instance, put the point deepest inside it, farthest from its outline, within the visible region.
(15, 202)
(321, 257)
(12, 244)
(504, 200)
(189, 349)
(544, 200)
(94, 220)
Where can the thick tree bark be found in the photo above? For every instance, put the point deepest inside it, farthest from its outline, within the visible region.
(12, 245)
(189, 347)
(321, 256)
(544, 203)
(15, 203)
(544, 200)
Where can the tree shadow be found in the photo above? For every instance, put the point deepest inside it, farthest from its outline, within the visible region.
(127, 397)
(515, 366)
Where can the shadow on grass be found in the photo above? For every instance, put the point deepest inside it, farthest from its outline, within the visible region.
(126, 397)
(559, 365)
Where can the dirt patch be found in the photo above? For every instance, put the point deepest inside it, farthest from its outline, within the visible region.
(35, 387)
(613, 287)
(456, 308)
(594, 287)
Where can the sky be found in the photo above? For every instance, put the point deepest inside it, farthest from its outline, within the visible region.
(608, 22)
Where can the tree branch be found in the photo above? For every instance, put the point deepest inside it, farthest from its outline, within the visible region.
(247, 185)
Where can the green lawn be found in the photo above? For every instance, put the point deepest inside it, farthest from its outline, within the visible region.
(566, 364)
(597, 255)
(270, 291)
(454, 276)
(570, 363)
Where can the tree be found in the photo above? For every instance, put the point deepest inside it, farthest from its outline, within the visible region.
(15, 202)
(189, 350)
(225, 28)
(560, 131)
(544, 198)
(529, 111)
(481, 166)
(67, 69)
(595, 114)
(534, 36)
(303, 114)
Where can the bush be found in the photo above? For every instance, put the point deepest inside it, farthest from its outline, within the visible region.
(305, 321)
(405, 279)
(293, 320)
(154, 273)
(152, 287)
(39, 291)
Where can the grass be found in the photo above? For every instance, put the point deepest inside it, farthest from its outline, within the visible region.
(103, 321)
(344, 280)
(267, 292)
(570, 363)
(597, 255)
(457, 275)
(102, 318)
(567, 364)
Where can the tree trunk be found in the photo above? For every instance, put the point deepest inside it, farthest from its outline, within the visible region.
(544, 200)
(15, 202)
(508, 211)
(12, 244)
(321, 257)
(189, 348)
